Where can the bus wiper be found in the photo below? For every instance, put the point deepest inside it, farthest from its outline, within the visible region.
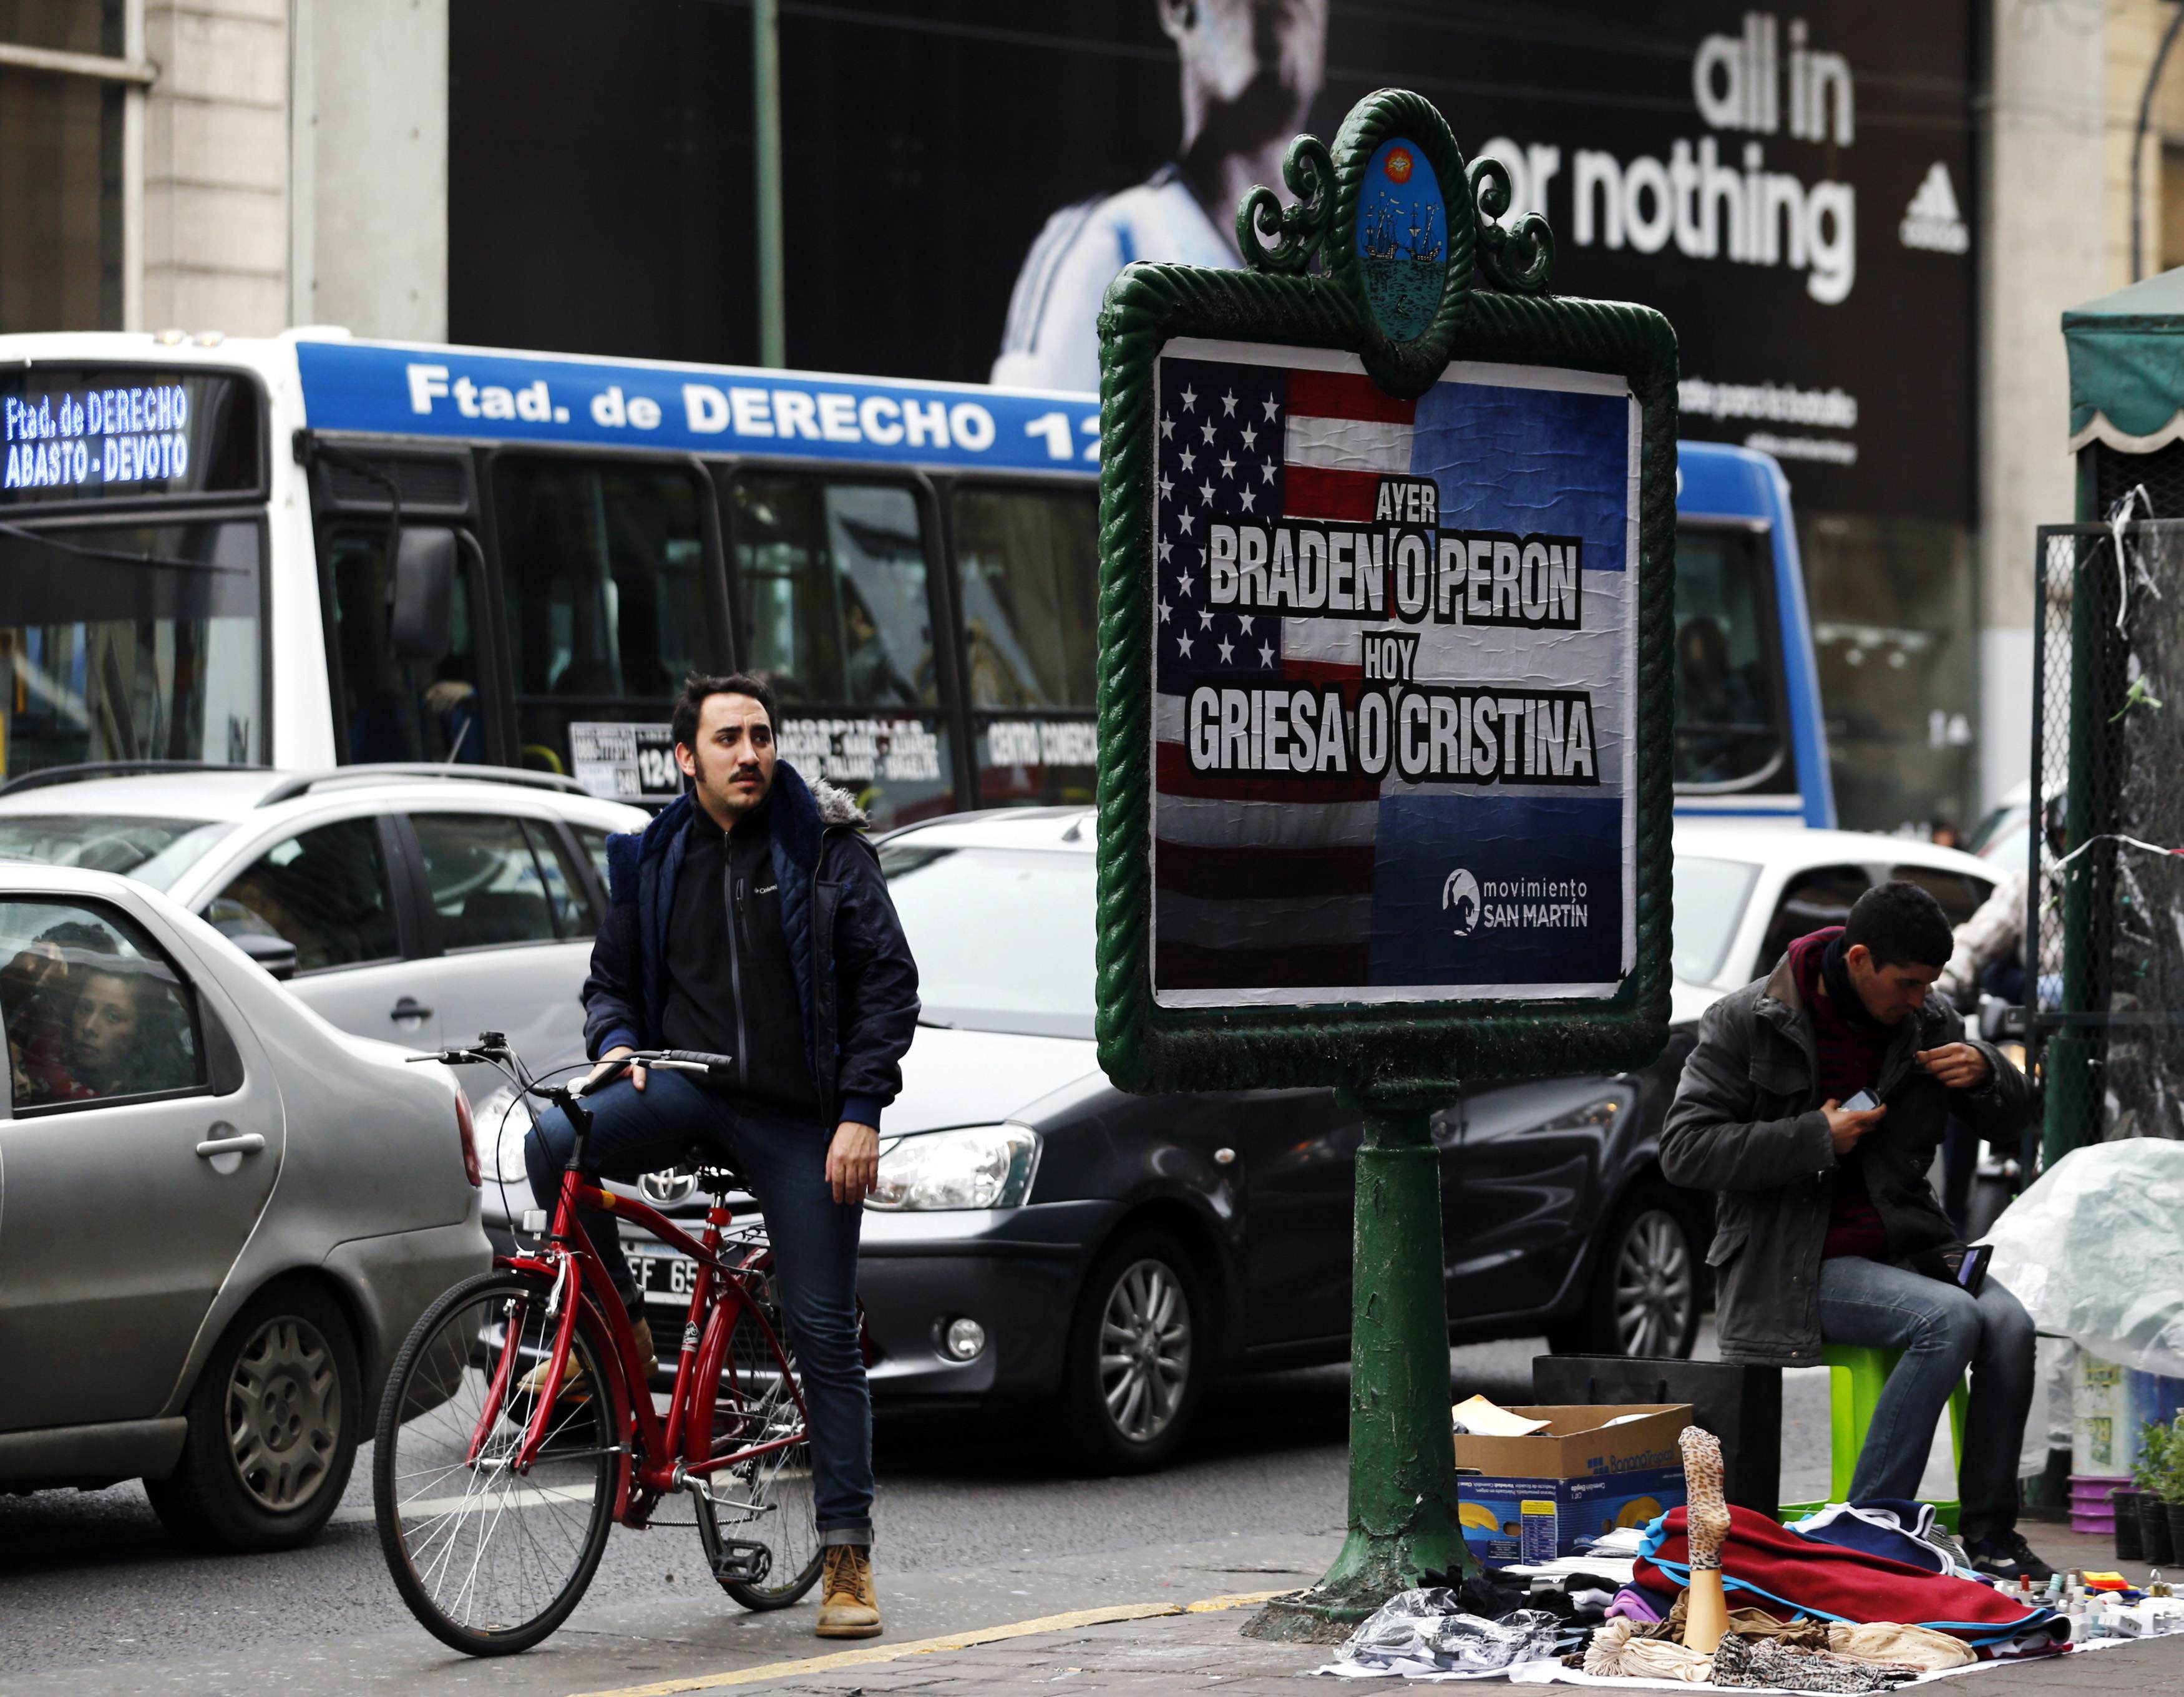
(47, 539)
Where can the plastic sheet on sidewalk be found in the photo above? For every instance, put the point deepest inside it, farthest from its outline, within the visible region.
(1424, 1635)
(2095, 1250)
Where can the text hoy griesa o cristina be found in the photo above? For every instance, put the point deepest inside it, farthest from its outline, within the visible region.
(1402, 567)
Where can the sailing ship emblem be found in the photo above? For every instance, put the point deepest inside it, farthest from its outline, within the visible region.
(1402, 240)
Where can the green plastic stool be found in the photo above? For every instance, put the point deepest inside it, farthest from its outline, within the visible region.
(1857, 1373)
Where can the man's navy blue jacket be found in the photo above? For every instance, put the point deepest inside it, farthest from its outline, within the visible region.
(854, 972)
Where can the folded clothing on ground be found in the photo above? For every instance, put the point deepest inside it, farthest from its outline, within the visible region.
(1619, 1650)
(1752, 1623)
(1635, 1604)
(1776, 1566)
(1901, 1530)
(1922, 1647)
(1775, 1666)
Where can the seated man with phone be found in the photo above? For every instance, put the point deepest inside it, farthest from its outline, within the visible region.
(1812, 1106)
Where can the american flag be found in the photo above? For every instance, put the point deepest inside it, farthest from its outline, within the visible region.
(1260, 881)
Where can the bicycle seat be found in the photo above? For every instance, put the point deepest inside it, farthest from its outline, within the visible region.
(702, 1162)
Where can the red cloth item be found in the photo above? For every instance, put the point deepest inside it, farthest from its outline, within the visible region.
(1762, 1556)
(1849, 1050)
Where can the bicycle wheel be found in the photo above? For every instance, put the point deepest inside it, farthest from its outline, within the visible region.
(489, 1560)
(768, 1501)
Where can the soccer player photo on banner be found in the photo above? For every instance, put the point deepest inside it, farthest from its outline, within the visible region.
(1395, 644)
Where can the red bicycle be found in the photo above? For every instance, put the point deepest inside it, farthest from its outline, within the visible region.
(498, 1473)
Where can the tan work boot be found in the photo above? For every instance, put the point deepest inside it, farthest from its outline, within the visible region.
(849, 1606)
(573, 1386)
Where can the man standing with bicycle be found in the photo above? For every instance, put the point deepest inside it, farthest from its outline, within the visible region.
(751, 919)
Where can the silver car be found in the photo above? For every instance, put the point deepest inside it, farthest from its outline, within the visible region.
(418, 904)
(219, 1215)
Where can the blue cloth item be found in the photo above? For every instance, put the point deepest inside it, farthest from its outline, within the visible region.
(815, 1250)
(1893, 1527)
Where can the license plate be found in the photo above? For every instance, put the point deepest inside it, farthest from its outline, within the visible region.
(666, 1278)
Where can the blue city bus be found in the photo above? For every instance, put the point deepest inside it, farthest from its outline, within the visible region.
(347, 551)
(1750, 739)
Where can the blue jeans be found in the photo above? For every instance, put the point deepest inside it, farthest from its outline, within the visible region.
(1942, 1330)
(815, 1250)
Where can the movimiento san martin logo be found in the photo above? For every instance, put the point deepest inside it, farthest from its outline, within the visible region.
(1459, 895)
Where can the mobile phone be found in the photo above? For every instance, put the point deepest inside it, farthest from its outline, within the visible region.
(1971, 1269)
(1859, 1104)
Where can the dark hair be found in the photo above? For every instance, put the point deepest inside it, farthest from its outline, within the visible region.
(1901, 924)
(79, 934)
(698, 687)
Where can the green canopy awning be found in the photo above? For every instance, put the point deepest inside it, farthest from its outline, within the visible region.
(2127, 366)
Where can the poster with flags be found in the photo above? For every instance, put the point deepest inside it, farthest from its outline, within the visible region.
(1394, 681)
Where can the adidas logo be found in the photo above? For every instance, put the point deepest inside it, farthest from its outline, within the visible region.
(1932, 220)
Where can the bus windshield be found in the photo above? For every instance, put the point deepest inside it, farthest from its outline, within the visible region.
(1730, 733)
(136, 641)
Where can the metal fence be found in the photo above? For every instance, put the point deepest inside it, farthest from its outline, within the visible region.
(2104, 896)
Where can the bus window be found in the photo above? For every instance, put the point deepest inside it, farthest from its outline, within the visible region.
(400, 709)
(1030, 571)
(835, 612)
(152, 656)
(1730, 733)
(603, 569)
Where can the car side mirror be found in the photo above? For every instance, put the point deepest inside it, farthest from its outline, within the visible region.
(277, 955)
(1999, 1021)
(421, 621)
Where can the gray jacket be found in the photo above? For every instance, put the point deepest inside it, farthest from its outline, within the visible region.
(1746, 1124)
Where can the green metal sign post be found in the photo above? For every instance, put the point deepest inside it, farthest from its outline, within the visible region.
(1387, 535)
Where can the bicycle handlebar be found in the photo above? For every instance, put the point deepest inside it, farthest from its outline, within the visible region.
(492, 1049)
(674, 1061)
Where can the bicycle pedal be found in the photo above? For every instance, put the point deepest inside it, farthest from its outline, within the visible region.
(742, 1562)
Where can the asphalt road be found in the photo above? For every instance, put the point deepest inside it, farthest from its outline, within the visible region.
(980, 1522)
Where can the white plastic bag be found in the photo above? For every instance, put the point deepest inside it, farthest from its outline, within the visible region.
(1426, 1635)
(2095, 1250)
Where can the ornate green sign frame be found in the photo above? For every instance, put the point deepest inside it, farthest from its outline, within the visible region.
(1375, 300)
(1494, 306)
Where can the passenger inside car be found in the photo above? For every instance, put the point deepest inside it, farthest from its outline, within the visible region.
(37, 998)
(89, 1016)
(128, 1033)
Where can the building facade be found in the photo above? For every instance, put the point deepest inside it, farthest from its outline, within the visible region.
(1865, 219)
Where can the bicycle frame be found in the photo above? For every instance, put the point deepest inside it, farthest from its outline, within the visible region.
(665, 1454)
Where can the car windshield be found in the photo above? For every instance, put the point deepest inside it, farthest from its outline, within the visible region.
(1002, 937)
(154, 851)
(1710, 897)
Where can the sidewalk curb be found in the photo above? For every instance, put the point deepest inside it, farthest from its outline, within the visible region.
(951, 1641)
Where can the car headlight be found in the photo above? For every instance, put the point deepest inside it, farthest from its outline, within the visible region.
(502, 1125)
(978, 1166)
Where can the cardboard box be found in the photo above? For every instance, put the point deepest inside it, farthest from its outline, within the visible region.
(1597, 1475)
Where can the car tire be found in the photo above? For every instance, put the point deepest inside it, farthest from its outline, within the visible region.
(274, 1420)
(1128, 1410)
(1647, 1288)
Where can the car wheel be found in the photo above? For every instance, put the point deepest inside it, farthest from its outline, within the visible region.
(1139, 1355)
(1644, 1298)
(274, 1419)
